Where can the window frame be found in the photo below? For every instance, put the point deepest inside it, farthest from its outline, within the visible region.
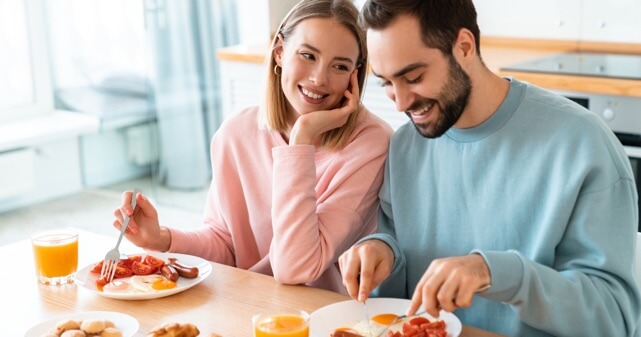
(42, 103)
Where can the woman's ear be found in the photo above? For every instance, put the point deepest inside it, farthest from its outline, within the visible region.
(278, 49)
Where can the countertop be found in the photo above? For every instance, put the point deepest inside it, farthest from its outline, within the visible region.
(498, 52)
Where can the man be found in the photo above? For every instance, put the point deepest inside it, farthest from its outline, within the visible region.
(504, 185)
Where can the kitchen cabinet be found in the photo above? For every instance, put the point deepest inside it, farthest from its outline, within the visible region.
(242, 85)
(612, 21)
(576, 20)
(543, 19)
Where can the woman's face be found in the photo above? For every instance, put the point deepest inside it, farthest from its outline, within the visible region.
(317, 60)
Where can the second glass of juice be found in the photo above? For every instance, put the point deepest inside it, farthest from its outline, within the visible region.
(286, 324)
(55, 254)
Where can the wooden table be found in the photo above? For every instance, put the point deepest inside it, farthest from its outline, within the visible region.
(223, 303)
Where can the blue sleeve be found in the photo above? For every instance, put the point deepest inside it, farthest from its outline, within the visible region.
(396, 284)
(590, 290)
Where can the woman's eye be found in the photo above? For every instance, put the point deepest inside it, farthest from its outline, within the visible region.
(383, 83)
(342, 67)
(307, 56)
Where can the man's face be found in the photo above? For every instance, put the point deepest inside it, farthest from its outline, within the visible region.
(432, 89)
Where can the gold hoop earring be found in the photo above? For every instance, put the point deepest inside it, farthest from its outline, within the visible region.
(278, 70)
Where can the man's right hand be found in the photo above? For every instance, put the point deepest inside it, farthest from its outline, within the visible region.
(365, 266)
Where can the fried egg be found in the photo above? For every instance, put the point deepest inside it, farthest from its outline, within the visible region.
(148, 284)
(378, 324)
(116, 286)
(151, 283)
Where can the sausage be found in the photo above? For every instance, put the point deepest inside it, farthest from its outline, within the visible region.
(169, 272)
(183, 269)
(339, 333)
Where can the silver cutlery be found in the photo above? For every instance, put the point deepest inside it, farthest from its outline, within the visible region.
(113, 256)
(399, 318)
(369, 324)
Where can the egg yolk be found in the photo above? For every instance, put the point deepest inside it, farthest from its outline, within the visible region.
(384, 319)
(163, 284)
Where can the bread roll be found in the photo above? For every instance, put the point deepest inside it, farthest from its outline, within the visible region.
(175, 330)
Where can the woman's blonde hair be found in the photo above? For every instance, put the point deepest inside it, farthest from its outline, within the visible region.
(273, 112)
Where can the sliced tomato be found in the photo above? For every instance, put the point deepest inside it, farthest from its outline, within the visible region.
(154, 261)
(433, 325)
(97, 268)
(122, 272)
(127, 262)
(419, 321)
(140, 268)
(437, 333)
(409, 330)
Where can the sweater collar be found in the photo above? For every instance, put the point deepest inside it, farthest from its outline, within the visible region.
(498, 119)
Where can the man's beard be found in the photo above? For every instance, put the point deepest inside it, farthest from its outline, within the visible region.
(451, 101)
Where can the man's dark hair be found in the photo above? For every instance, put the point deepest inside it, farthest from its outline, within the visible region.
(440, 20)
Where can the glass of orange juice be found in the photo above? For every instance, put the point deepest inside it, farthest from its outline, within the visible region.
(55, 254)
(286, 324)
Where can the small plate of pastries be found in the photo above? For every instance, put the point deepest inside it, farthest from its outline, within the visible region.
(87, 324)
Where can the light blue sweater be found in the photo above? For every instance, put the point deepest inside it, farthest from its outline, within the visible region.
(544, 191)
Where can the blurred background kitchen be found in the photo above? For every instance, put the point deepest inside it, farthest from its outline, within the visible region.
(101, 96)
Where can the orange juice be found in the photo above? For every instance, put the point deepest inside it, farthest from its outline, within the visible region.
(282, 325)
(55, 255)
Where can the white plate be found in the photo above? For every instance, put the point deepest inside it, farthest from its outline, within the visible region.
(86, 279)
(346, 314)
(125, 323)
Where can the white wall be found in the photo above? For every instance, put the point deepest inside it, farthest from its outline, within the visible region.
(583, 20)
(259, 19)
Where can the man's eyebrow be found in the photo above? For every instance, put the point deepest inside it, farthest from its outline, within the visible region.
(405, 70)
(316, 50)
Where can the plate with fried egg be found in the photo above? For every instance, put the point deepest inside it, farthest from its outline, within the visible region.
(145, 287)
(349, 316)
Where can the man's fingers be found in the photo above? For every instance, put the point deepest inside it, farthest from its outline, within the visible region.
(446, 295)
(374, 267)
(465, 295)
(350, 268)
(417, 300)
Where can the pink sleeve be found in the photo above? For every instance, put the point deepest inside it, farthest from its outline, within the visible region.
(316, 218)
(213, 241)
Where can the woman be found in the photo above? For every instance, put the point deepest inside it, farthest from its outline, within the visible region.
(295, 181)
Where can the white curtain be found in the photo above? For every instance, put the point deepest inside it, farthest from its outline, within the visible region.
(184, 75)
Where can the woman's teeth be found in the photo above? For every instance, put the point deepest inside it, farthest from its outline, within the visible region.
(311, 94)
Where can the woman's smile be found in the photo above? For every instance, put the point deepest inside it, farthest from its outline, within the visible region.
(312, 96)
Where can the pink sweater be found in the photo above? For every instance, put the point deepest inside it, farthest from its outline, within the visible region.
(288, 211)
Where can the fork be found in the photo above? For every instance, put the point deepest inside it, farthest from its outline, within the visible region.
(113, 256)
(396, 320)
(399, 318)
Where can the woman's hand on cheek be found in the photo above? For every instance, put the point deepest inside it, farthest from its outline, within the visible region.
(311, 125)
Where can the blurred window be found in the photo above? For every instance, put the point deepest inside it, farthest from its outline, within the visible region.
(24, 76)
(96, 41)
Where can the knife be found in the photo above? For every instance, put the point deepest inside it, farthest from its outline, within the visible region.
(369, 324)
